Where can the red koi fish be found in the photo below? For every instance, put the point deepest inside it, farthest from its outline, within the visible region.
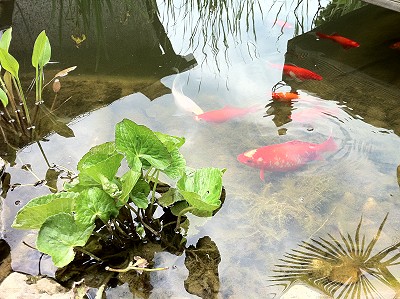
(284, 96)
(346, 43)
(395, 46)
(285, 156)
(226, 113)
(299, 73)
(283, 24)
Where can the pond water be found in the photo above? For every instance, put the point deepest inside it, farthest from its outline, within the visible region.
(240, 51)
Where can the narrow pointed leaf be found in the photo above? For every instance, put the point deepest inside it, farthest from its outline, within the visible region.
(6, 39)
(9, 63)
(41, 51)
(3, 98)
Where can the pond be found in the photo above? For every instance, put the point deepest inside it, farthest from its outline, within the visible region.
(278, 226)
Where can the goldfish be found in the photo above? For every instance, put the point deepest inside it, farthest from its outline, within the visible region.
(299, 73)
(346, 43)
(226, 113)
(395, 46)
(286, 156)
(284, 96)
(283, 24)
(184, 102)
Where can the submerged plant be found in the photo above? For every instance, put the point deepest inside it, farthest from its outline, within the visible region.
(341, 268)
(100, 208)
(19, 117)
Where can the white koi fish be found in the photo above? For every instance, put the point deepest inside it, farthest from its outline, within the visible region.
(183, 102)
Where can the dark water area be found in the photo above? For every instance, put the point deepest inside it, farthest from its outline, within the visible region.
(141, 59)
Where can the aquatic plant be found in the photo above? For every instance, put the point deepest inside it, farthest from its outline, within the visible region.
(21, 119)
(100, 207)
(341, 267)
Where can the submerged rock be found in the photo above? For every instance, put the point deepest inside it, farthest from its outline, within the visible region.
(18, 285)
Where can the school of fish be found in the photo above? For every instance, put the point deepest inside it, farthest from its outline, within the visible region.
(282, 157)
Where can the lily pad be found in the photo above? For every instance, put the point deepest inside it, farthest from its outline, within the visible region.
(59, 235)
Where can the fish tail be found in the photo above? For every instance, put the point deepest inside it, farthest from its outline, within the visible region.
(329, 145)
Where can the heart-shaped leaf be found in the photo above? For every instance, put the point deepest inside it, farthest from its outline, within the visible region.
(59, 235)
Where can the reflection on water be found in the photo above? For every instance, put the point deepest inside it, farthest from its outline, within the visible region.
(355, 103)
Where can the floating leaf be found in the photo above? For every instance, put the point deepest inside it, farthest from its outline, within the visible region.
(36, 211)
(101, 160)
(202, 188)
(3, 98)
(94, 203)
(59, 235)
(139, 142)
(41, 51)
(9, 63)
(6, 39)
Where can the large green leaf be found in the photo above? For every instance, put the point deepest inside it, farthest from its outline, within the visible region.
(3, 98)
(202, 188)
(59, 235)
(41, 51)
(139, 142)
(9, 63)
(36, 211)
(6, 39)
(94, 203)
(128, 182)
(101, 160)
(178, 162)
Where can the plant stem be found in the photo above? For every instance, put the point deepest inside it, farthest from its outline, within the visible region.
(181, 213)
(22, 97)
(88, 253)
(44, 155)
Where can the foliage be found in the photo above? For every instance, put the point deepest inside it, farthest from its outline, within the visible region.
(336, 9)
(25, 123)
(98, 197)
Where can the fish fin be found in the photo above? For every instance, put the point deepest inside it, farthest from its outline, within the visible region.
(262, 174)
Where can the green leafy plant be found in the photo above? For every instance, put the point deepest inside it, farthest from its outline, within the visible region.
(20, 119)
(121, 208)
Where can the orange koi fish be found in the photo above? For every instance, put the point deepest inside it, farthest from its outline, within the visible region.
(226, 113)
(285, 156)
(299, 73)
(284, 96)
(346, 43)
